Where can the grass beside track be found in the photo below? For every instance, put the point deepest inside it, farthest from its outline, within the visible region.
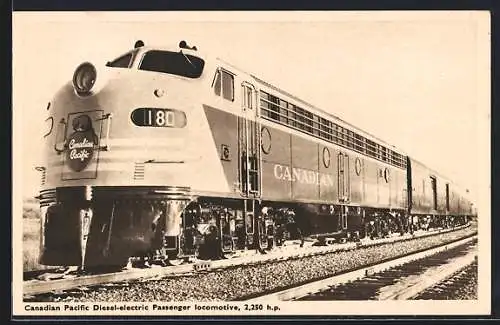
(31, 235)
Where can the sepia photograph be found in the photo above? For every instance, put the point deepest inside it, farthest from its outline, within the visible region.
(251, 163)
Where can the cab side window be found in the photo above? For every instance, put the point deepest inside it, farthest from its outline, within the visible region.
(223, 84)
(122, 62)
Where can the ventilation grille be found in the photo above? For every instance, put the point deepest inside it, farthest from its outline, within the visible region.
(139, 171)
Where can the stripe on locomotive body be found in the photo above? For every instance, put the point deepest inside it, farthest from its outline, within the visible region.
(122, 150)
(223, 125)
(117, 165)
(373, 188)
(124, 143)
(198, 171)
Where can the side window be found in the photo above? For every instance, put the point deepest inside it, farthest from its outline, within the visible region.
(227, 86)
(121, 62)
(224, 81)
(247, 97)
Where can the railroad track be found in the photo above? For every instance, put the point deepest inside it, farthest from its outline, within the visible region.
(462, 285)
(68, 280)
(395, 279)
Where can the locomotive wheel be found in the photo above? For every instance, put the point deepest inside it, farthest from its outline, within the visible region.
(175, 261)
(228, 255)
(160, 262)
(140, 264)
(263, 245)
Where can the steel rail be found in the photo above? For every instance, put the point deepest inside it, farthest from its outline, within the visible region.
(316, 286)
(411, 288)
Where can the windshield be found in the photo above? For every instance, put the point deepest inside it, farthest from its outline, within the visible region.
(176, 63)
(123, 61)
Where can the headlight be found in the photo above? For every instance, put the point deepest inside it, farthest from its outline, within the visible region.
(84, 78)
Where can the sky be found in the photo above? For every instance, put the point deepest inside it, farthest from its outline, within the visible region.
(419, 80)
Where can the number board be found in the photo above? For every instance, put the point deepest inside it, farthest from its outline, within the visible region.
(159, 117)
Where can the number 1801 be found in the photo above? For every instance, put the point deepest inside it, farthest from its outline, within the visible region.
(160, 117)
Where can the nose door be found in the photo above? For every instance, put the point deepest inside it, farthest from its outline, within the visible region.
(80, 152)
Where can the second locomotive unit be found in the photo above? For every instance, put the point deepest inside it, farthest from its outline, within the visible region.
(165, 154)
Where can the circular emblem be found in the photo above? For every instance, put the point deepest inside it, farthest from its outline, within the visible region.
(225, 152)
(326, 157)
(358, 166)
(387, 175)
(265, 141)
(80, 144)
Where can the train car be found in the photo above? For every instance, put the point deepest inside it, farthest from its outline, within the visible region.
(166, 154)
(435, 199)
(463, 207)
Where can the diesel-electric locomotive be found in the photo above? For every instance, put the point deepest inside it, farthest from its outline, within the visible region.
(165, 154)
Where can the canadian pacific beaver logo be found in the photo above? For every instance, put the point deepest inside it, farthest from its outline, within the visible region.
(81, 143)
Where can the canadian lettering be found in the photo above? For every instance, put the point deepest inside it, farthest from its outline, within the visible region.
(302, 176)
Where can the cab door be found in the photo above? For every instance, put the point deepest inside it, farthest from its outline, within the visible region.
(344, 186)
(249, 138)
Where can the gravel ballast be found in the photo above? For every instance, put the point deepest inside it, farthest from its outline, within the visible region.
(248, 281)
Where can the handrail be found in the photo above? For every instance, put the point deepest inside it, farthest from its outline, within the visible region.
(105, 146)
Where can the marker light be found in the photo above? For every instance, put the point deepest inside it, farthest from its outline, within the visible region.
(159, 92)
(84, 78)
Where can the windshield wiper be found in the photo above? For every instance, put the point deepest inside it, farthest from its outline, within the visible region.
(187, 59)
